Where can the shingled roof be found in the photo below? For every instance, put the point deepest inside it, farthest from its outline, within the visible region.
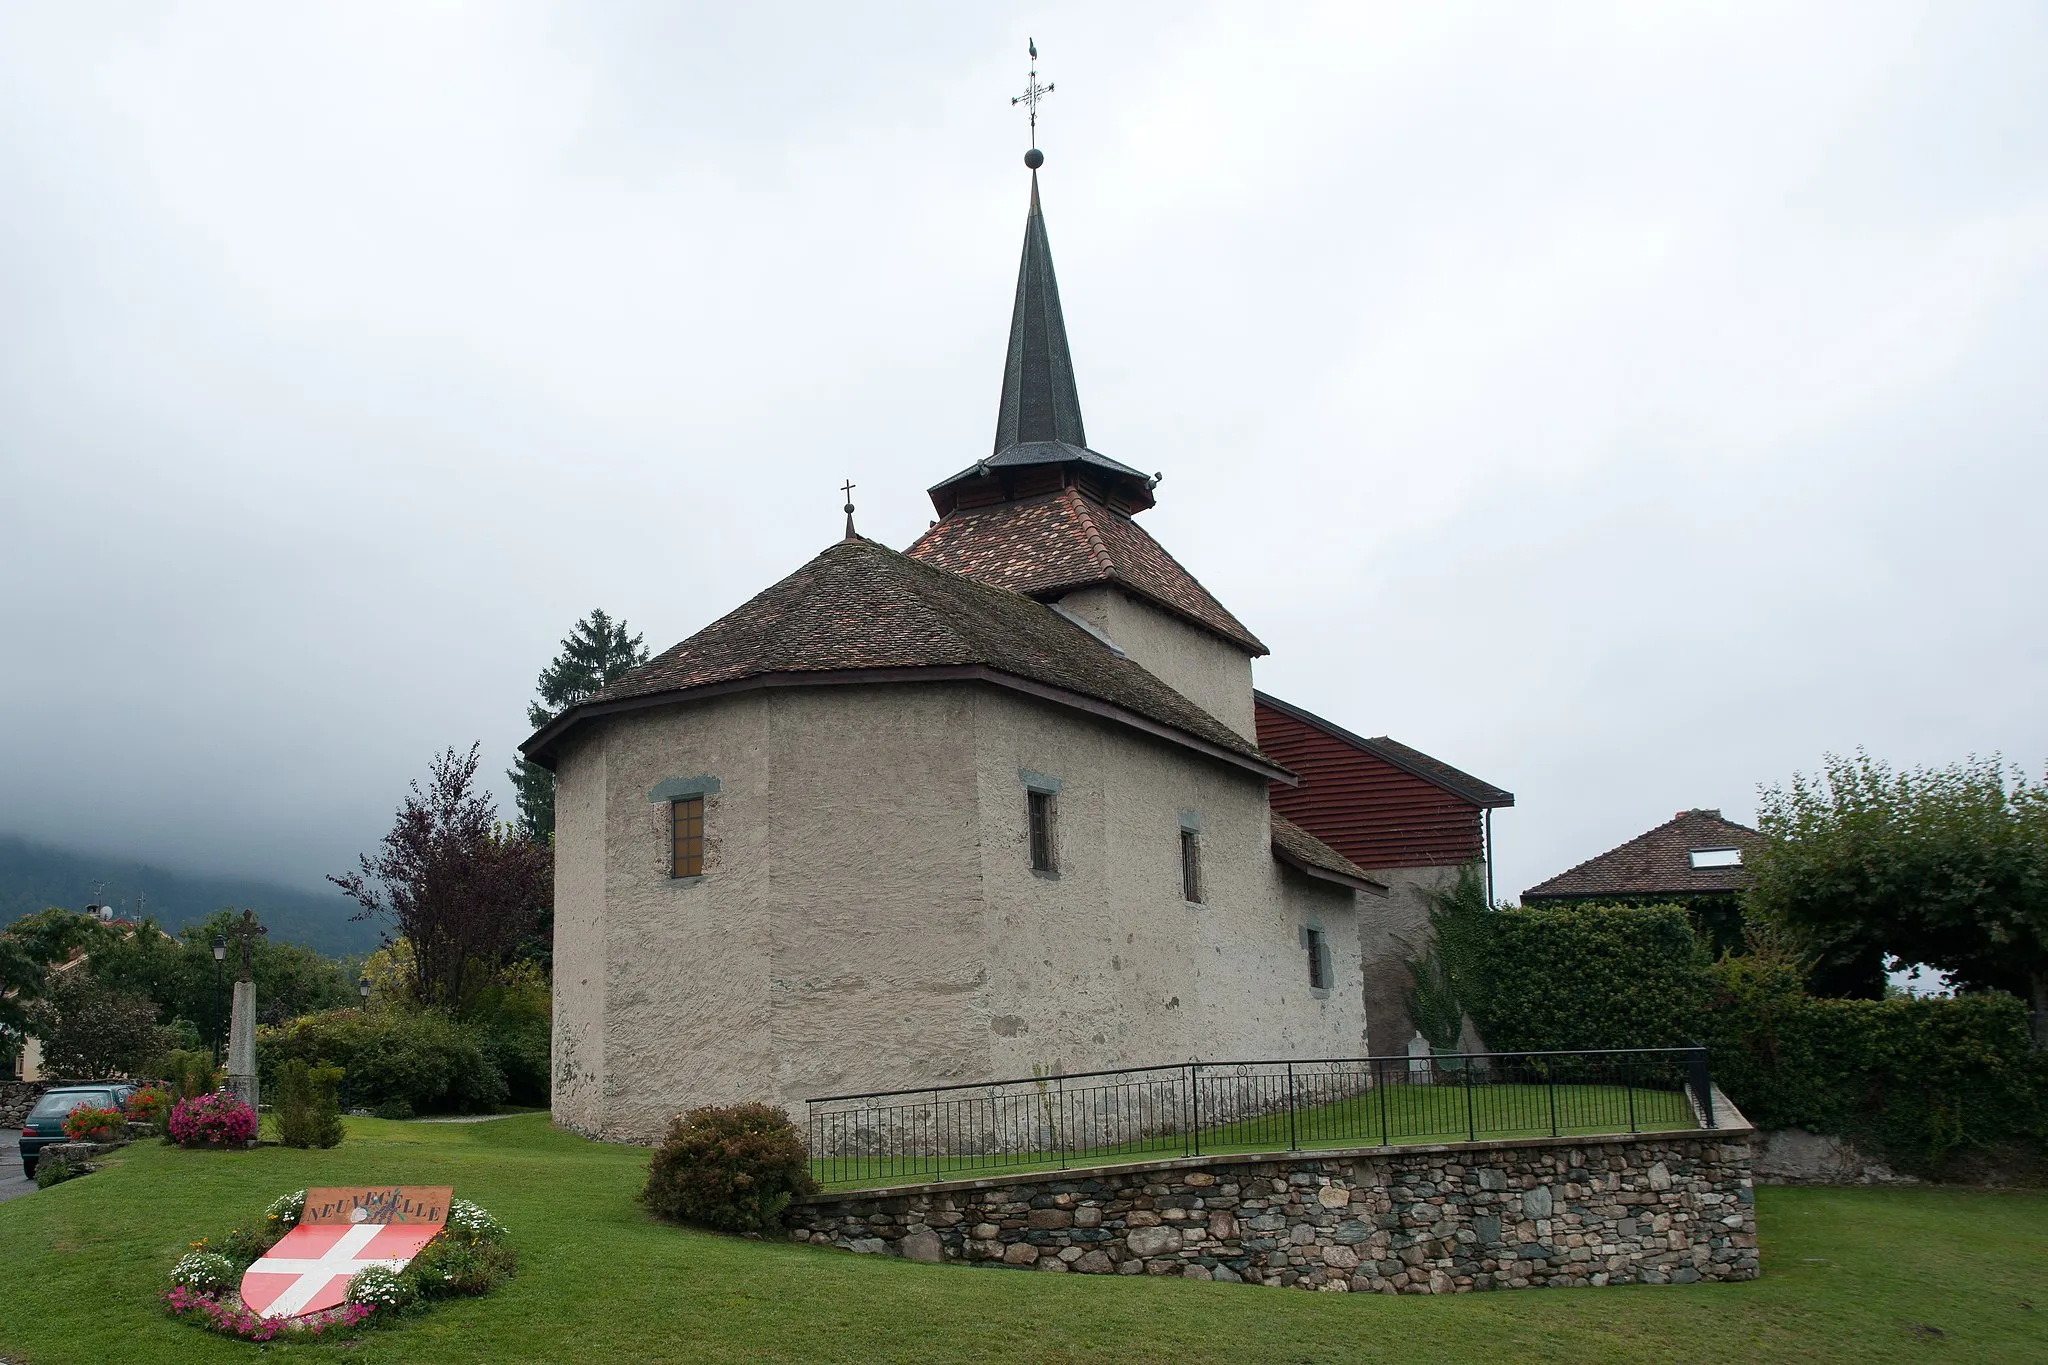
(1054, 544)
(1659, 863)
(861, 612)
(1297, 847)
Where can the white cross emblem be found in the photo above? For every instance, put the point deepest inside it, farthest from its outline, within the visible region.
(339, 1259)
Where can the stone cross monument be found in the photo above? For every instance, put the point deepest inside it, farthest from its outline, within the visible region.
(242, 1022)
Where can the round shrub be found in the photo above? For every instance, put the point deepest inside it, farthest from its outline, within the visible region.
(55, 1170)
(94, 1123)
(733, 1168)
(215, 1120)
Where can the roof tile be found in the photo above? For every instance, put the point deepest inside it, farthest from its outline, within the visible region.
(1659, 863)
(860, 605)
(1050, 545)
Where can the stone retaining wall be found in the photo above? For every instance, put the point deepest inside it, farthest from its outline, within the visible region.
(1647, 1209)
(16, 1099)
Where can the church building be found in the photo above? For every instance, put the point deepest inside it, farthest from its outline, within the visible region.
(991, 806)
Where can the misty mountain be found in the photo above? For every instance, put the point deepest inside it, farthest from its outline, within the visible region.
(33, 876)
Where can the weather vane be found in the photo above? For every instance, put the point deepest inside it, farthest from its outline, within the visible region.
(1033, 93)
(847, 488)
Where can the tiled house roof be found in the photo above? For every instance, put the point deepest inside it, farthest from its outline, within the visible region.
(863, 612)
(1050, 545)
(1659, 863)
(1295, 845)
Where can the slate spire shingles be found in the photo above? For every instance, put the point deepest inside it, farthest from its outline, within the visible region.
(1040, 401)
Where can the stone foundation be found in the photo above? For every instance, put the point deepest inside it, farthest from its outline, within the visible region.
(1644, 1209)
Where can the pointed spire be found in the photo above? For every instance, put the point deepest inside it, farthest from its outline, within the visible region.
(1040, 402)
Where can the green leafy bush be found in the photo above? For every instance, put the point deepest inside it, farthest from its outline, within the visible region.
(55, 1170)
(733, 1168)
(189, 1074)
(1590, 976)
(421, 1058)
(308, 1104)
(515, 1017)
(1926, 1083)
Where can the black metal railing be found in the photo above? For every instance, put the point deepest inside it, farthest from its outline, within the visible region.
(1141, 1113)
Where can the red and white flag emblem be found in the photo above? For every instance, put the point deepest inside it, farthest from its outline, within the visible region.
(340, 1232)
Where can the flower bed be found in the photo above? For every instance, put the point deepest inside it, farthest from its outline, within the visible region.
(469, 1256)
(94, 1123)
(215, 1120)
(151, 1104)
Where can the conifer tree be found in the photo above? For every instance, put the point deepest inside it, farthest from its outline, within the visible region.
(597, 652)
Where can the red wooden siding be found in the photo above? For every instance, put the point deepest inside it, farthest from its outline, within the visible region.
(1367, 809)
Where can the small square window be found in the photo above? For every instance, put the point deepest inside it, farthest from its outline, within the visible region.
(686, 837)
(1042, 828)
(1191, 866)
(1318, 961)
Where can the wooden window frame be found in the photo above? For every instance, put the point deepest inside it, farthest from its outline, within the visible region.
(1318, 959)
(1191, 889)
(1041, 818)
(686, 836)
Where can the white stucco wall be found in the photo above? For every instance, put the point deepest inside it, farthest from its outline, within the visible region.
(1212, 673)
(1390, 932)
(868, 918)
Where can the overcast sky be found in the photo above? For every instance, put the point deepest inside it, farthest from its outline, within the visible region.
(1626, 404)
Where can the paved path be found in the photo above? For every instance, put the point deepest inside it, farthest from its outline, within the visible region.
(12, 1183)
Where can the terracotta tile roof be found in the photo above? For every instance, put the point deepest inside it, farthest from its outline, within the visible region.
(1659, 863)
(1054, 544)
(1293, 844)
(861, 605)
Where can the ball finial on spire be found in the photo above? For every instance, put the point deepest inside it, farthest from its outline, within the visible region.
(1034, 158)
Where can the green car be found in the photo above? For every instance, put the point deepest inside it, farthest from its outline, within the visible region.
(45, 1123)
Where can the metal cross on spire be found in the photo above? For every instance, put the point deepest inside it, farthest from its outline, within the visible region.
(847, 488)
(1033, 93)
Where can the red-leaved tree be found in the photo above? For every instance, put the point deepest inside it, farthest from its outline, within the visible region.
(459, 887)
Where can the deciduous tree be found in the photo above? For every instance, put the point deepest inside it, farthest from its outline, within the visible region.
(455, 884)
(89, 1030)
(1946, 866)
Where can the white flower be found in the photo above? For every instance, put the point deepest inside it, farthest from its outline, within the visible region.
(286, 1208)
(203, 1272)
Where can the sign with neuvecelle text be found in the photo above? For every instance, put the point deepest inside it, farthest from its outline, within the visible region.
(342, 1231)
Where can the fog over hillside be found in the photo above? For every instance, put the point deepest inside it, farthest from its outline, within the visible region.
(34, 876)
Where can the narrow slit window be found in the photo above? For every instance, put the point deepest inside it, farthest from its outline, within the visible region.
(1318, 962)
(686, 818)
(1191, 866)
(1041, 831)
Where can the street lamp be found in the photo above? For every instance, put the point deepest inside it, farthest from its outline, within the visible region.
(363, 989)
(220, 955)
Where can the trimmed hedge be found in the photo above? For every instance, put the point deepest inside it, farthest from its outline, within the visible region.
(398, 1061)
(1927, 1083)
(1934, 1086)
(1590, 976)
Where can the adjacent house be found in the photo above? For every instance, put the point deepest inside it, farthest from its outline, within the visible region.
(1410, 820)
(1696, 859)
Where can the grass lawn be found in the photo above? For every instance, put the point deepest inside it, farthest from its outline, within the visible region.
(1850, 1275)
(1385, 1115)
